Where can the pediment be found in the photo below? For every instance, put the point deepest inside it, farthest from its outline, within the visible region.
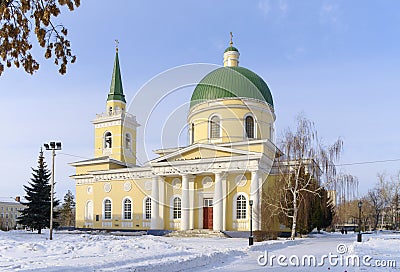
(201, 151)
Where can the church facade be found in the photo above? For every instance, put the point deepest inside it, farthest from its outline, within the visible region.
(212, 183)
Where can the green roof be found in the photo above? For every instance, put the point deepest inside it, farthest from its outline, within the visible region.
(231, 48)
(233, 81)
(116, 91)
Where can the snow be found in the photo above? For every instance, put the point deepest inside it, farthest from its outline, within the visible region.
(80, 251)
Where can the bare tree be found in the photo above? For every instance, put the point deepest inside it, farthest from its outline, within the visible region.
(306, 166)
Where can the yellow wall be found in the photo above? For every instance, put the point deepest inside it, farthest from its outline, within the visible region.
(84, 169)
(117, 194)
(232, 113)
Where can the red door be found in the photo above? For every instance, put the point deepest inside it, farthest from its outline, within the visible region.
(207, 218)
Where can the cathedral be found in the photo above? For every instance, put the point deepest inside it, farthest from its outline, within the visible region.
(215, 182)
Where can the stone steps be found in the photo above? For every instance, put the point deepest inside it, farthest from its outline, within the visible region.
(197, 233)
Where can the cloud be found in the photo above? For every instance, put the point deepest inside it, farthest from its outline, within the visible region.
(283, 6)
(329, 13)
(264, 6)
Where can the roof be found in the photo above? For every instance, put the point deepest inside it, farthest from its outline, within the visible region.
(116, 90)
(231, 48)
(232, 81)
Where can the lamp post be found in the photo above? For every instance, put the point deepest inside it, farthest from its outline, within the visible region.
(53, 146)
(251, 239)
(359, 238)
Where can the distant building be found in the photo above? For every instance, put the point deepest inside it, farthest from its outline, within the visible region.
(9, 213)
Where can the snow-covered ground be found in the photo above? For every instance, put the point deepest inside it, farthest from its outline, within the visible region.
(27, 251)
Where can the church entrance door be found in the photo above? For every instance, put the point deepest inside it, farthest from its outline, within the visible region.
(208, 214)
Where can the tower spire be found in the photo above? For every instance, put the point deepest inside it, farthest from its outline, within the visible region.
(117, 43)
(116, 90)
(231, 54)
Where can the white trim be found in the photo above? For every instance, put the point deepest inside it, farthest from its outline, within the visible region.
(123, 208)
(204, 146)
(208, 181)
(103, 209)
(176, 183)
(247, 103)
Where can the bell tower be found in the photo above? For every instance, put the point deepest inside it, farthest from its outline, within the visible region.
(115, 130)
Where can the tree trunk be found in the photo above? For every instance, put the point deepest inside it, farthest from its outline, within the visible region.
(39, 231)
(294, 224)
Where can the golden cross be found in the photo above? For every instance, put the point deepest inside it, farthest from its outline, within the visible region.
(231, 42)
(116, 44)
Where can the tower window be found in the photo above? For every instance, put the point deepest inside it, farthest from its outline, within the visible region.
(110, 111)
(249, 126)
(215, 131)
(107, 140)
(177, 208)
(128, 141)
(148, 208)
(127, 209)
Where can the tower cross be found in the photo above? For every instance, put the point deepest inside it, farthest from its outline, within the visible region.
(231, 42)
(116, 44)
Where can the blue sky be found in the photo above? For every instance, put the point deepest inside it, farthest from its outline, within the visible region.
(335, 61)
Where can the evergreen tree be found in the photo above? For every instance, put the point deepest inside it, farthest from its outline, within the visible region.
(37, 213)
(67, 210)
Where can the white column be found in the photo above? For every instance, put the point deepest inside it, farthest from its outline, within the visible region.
(217, 203)
(255, 196)
(191, 202)
(161, 193)
(224, 197)
(185, 203)
(154, 224)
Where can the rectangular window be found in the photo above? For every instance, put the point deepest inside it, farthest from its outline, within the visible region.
(177, 208)
(148, 208)
(127, 209)
(107, 209)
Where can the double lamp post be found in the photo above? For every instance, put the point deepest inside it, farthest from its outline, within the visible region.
(53, 146)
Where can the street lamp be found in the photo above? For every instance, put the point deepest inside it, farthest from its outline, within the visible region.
(251, 239)
(53, 146)
(359, 238)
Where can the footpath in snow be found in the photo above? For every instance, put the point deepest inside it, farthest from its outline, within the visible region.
(74, 251)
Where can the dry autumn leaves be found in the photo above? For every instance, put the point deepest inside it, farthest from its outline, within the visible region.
(18, 18)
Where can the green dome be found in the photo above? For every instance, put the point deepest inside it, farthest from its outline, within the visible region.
(231, 81)
(231, 48)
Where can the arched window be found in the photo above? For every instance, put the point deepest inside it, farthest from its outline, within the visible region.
(127, 209)
(128, 141)
(241, 207)
(148, 208)
(215, 129)
(107, 209)
(249, 126)
(110, 111)
(177, 208)
(107, 140)
(89, 210)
